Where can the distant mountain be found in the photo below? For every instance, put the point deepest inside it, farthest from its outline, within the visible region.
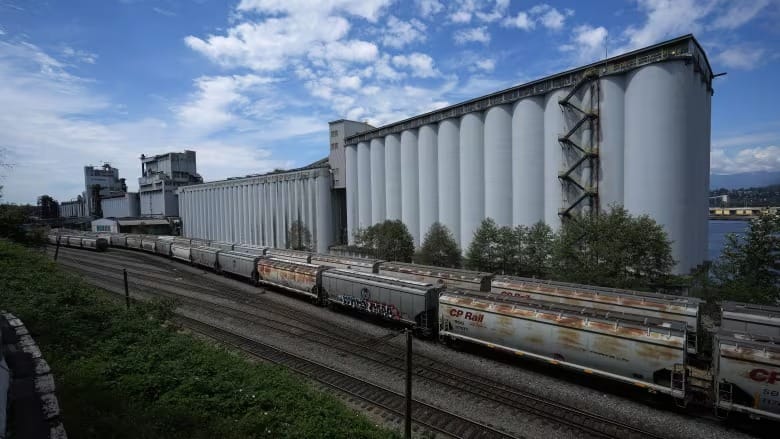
(744, 180)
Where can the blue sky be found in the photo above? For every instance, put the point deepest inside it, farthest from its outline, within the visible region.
(251, 84)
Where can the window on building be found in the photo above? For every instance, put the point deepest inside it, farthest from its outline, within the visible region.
(334, 145)
(103, 228)
(334, 133)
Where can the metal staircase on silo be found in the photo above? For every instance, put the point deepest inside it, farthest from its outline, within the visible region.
(579, 176)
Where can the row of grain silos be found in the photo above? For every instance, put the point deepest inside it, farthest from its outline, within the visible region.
(260, 210)
(652, 135)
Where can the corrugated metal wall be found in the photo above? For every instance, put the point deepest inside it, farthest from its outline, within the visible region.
(504, 163)
(260, 210)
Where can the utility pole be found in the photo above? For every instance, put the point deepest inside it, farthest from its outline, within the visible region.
(408, 417)
(127, 291)
(57, 248)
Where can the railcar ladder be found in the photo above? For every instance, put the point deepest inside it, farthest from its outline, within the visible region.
(679, 374)
(579, 155)
(725, 395)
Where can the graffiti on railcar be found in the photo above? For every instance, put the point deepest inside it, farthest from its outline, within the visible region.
(365, 304)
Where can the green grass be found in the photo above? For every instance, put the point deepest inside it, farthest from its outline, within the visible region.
(126, 374)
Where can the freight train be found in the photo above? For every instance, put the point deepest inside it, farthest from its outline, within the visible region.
(641, 339)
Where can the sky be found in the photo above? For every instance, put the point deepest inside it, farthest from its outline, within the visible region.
(251, 84)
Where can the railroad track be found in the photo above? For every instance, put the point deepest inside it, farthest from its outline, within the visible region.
(388, 356)
(425, 415)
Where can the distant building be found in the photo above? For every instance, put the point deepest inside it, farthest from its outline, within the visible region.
(340, 130)
(121, 205)
(74, 208)
(147, 226)
(161, 175)
(102, 181)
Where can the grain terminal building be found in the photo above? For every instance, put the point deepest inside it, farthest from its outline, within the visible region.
(632, 130)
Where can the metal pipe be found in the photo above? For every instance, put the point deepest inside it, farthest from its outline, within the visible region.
(408, 417)
(127, 291)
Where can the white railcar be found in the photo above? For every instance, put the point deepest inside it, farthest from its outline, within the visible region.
(448, 278)
(334, 261)
(753, 319)
(239, 264)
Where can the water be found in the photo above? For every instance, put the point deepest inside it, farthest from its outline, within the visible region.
(717, 235)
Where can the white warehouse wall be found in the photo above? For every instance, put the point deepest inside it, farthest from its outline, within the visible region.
(259, 210)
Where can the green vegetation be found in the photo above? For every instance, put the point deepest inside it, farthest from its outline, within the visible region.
(751, 197)
(129, 374)
(439, 248)
(749, 267)
(299, 237)
(614, 249)
(389, 240)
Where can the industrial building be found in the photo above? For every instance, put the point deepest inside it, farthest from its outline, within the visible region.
(161, 175)
(262, 209)
(124, 205)
(632, 130)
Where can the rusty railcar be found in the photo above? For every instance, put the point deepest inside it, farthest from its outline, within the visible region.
(753, 319)
(295, 255)
(638, 350)
(447, 278)
(661, 306)
(295, 276)
(405, 301)
(364, 265)
(746, 368)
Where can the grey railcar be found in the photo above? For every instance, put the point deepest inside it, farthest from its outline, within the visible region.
(205, 256)
(448, 278)
(118, 240)
(163, 247)
(239, 264)
(74, 241)
(746, 371)
(295, 276)
(648, 353)
(181, 252)
(53, 238)
(180, 240)
(364, 265)
(222, 245)
(408, 302)
(149, 243)
(295, 255)
(251, 249)
(134, 241)
(97, 244)
(753, 319)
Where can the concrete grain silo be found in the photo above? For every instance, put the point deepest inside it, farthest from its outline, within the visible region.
(632, 130)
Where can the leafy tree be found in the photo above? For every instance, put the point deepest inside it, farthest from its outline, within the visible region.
(299, 237)
(509, 246)
(439, 248)
(613, 249)
(748, 270)
(48, 207)
(482, 254)
(389, 240)
(538, 242)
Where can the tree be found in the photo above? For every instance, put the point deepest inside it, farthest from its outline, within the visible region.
(389, 240)
(482, 254)
(439, 248)
(509, 246)
(748, 269)
(48, 207)
(613, 249)
(299, 237)
(538, 242)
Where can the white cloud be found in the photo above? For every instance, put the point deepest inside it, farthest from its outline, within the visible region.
(420, 64)
(79, 55)
(165, 12)
(476, 35)
(667, 18)
(55, 130)
(745, 160)
(738, 14)
(750, 139)
(399, 33)
(520, 21)
(429, 7)
(486, 65)
(550, 17)
(587, 43)
(741, 57)
(498, 11)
